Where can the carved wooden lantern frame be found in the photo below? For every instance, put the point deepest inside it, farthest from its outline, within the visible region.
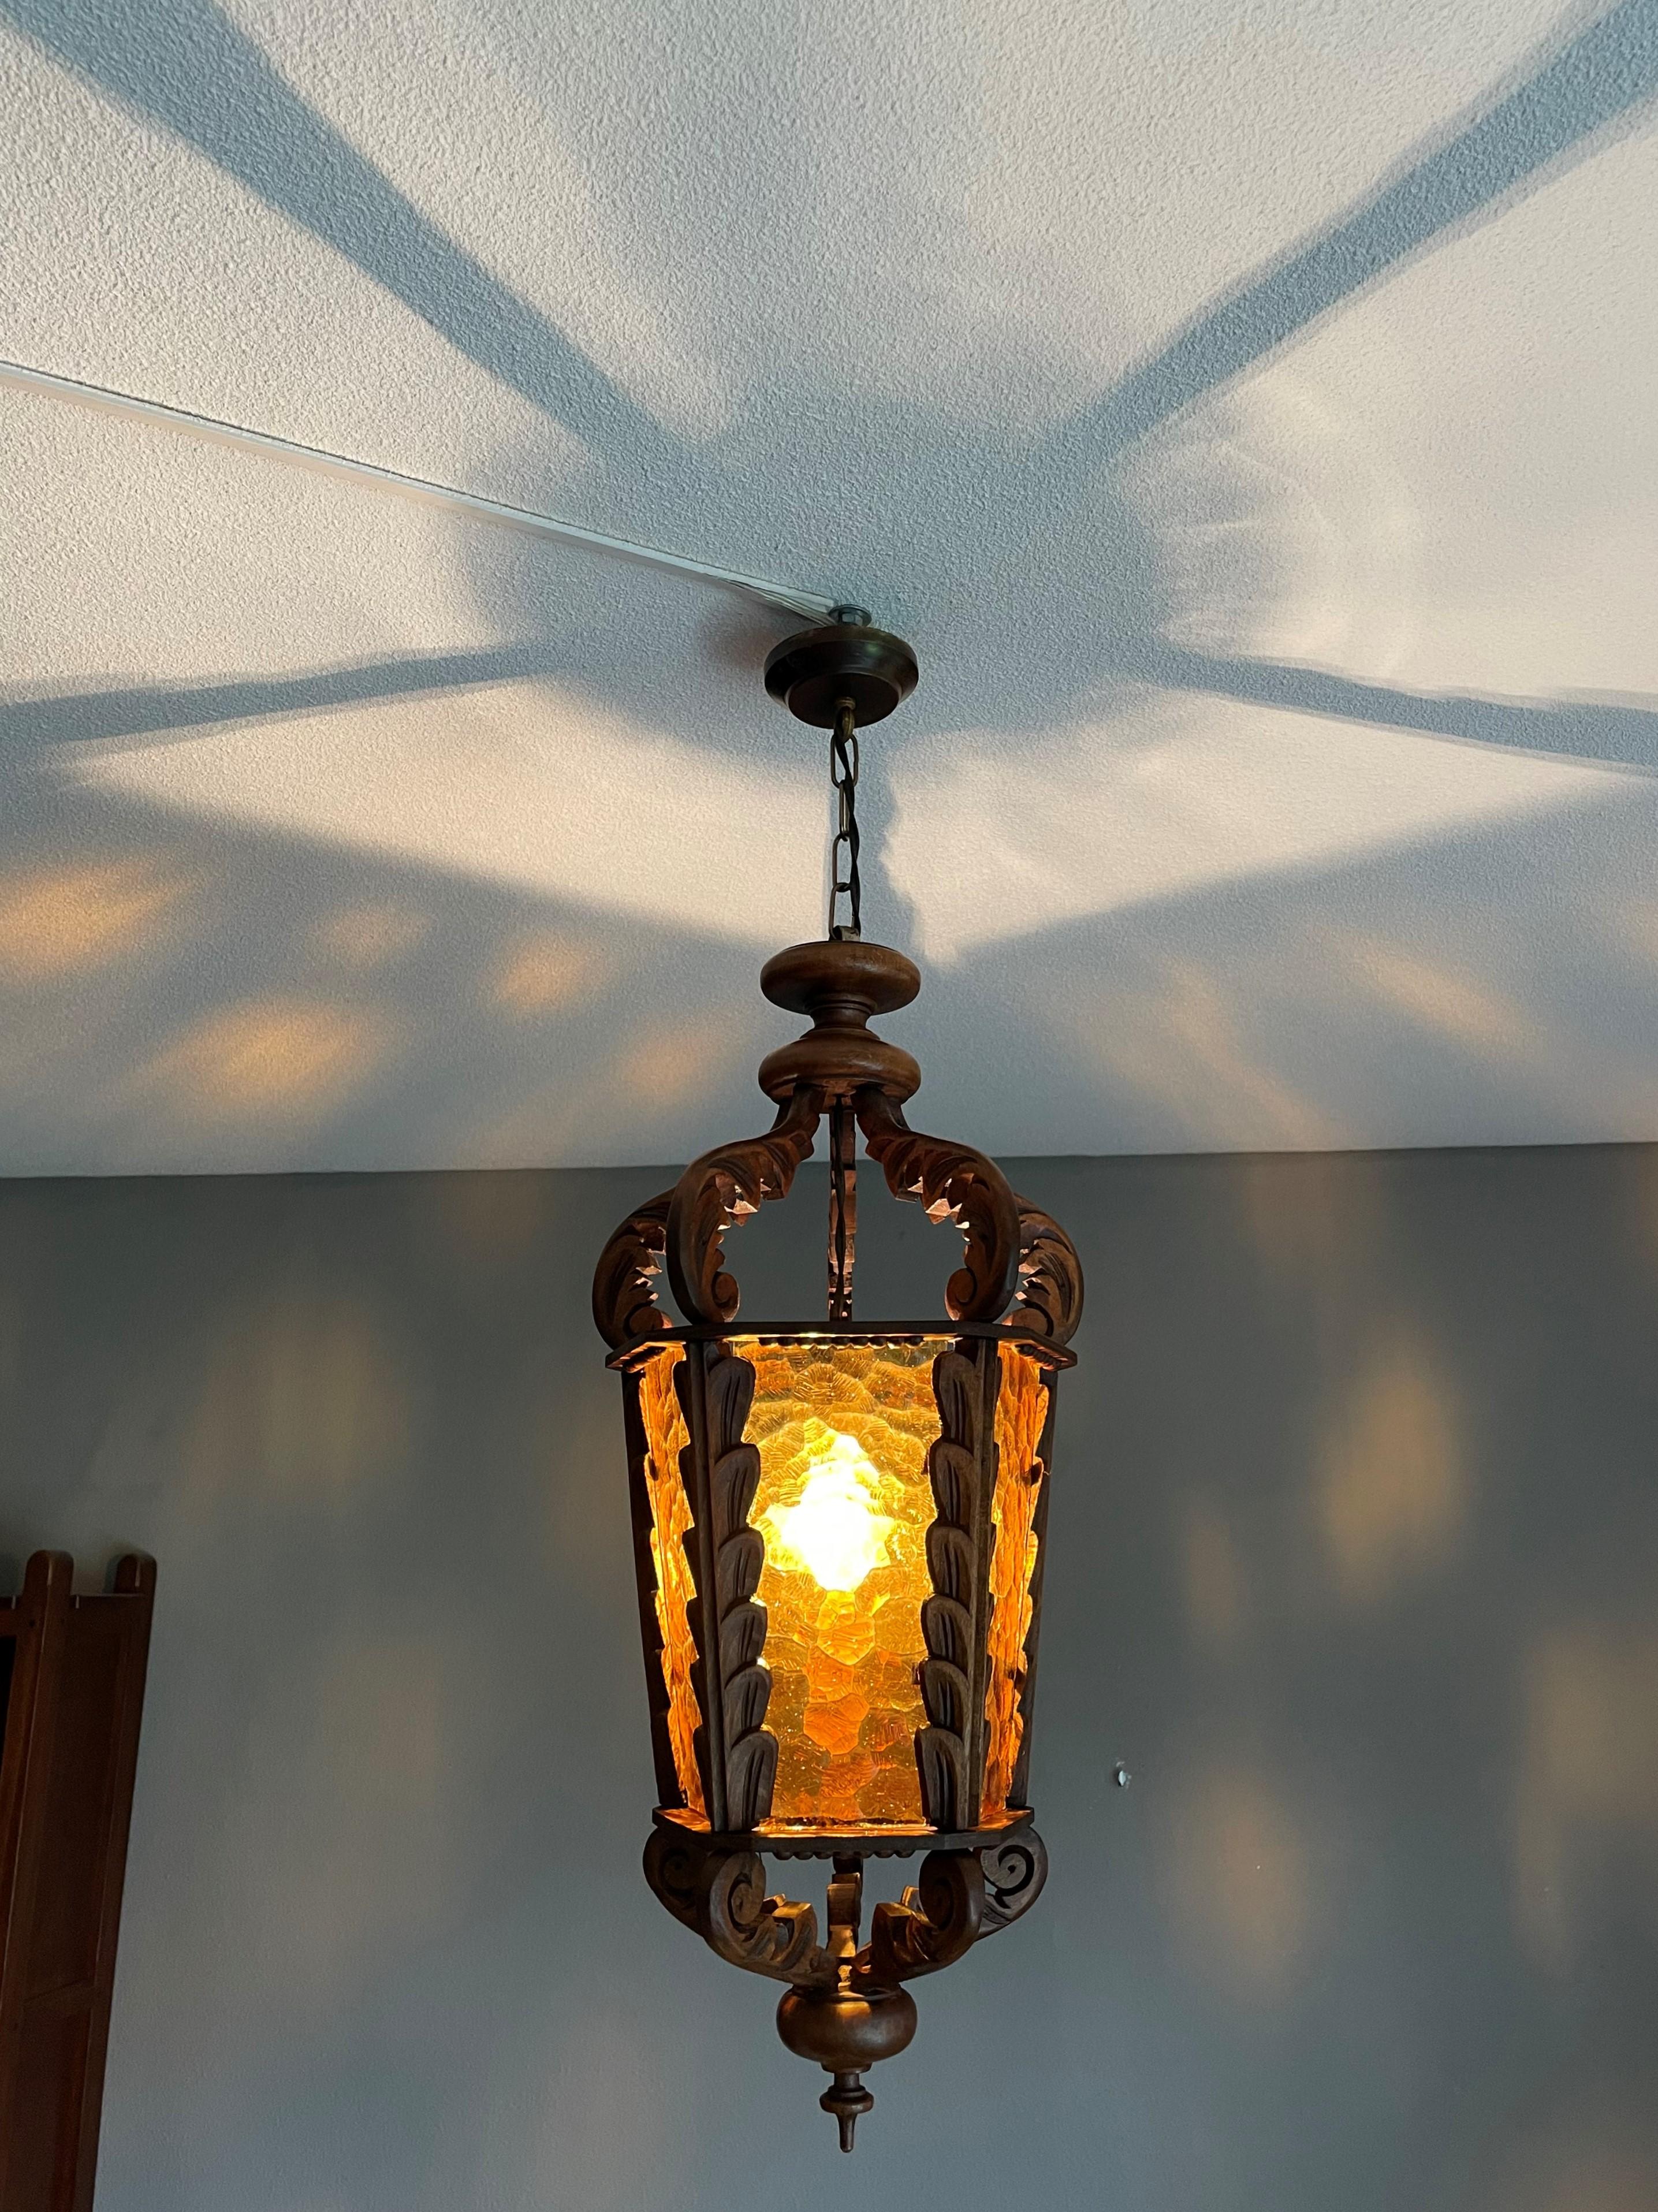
(840, 1531)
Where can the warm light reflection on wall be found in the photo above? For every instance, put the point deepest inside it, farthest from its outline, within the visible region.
(666, 1436)
(1190, 1038)
(272, 1056)
(60, 921)
(1443, 999)
(1391, 1492)
(1588, 1792)
(1021, 1416)
(544, 974)
(844, 1505)
(1241, 1881)
(668, 1061)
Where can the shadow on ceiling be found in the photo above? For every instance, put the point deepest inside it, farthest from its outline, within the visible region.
(1058, 549)
(309, 1039)
(193, 996)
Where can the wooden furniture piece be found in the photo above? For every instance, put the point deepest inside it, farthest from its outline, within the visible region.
(71, 1691)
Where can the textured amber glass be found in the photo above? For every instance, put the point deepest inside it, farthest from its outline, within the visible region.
(1021, 1416)
(665, 1436)
(843, 1431)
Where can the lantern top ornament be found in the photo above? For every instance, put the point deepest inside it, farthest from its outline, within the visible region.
(839, 1530)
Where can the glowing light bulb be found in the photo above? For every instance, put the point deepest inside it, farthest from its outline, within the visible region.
(834, 1531)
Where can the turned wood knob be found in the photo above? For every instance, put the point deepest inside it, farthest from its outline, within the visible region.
(841, 983)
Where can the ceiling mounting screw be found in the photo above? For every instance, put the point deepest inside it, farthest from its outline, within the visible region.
(1121, 1776)
(860, 617)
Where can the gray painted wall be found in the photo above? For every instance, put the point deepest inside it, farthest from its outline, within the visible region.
(1357, 1565)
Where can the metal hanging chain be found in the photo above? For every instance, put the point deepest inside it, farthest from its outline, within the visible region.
(843, 1206)
(843, 852)
(844, 882)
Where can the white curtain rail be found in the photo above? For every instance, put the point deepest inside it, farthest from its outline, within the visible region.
(784, 596)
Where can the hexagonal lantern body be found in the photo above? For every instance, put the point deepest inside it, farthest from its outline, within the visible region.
(840, 1535)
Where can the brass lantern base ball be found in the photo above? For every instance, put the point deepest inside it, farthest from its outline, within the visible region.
(813, 671)
(846, 2033)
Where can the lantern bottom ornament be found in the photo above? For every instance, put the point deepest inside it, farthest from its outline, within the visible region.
(846, 2006)
(840, 1532)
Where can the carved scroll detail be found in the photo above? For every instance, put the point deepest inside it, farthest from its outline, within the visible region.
(722, 1187)
(953, 1183)
(738, 1623)
(945, 1674)
(624, 1300)
(722, 1894)
(1050, 1299)
(930, 1926)
(1014, 1872)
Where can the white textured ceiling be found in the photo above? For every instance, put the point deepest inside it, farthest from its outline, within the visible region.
(1247, 410)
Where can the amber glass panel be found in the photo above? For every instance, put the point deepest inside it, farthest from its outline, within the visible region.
(844, 1505)
(666, 1438)
(1021, 1414)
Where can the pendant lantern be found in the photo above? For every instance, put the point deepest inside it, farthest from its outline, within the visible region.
(840, 1531)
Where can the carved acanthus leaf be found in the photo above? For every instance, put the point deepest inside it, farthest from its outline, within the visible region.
(729, 1616)
(1050, 1297)
(624, 1298)
(944, 1675)
(956, 1183)
(722, 1187)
